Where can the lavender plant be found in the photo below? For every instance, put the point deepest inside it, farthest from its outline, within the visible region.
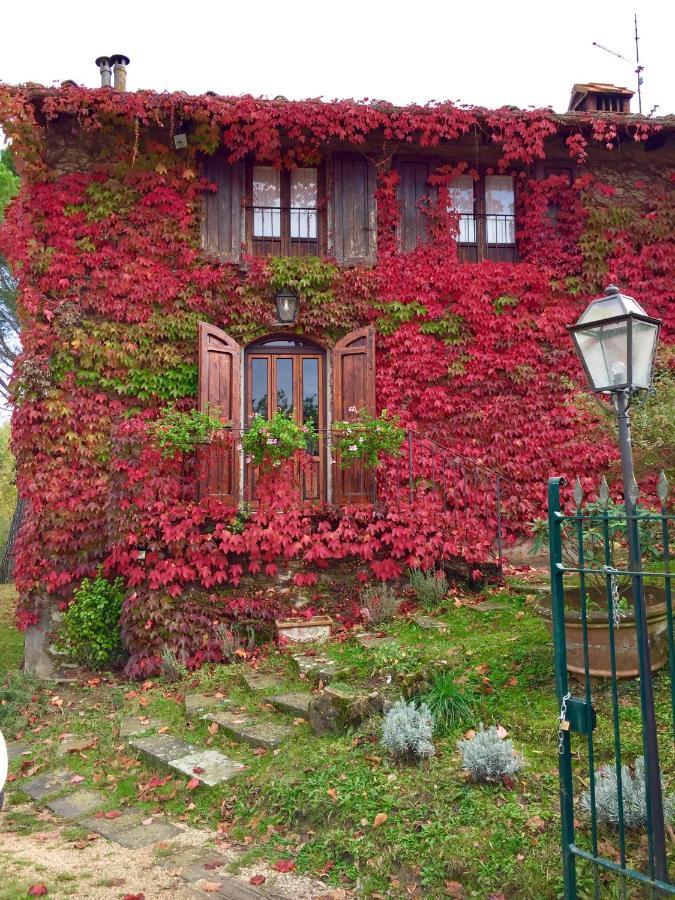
(407, 731)
(487, 757)
(633, 796)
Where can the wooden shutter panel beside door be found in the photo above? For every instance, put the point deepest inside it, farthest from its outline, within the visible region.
(222, 212)
(353, 213)
(220, 396)
(353, 386)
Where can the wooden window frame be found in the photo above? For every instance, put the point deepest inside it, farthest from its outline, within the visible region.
(286, 246)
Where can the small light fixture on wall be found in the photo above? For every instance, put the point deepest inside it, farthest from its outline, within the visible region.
(141, 552)
(287, 306)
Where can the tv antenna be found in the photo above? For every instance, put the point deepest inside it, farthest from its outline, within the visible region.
(634, 62)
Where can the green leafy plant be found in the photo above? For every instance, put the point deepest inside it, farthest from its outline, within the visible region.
(183, 431)
(90, 631)
(449, 703)
(430, 587)
(275, 439)
(366, 437)
(407, 731)
(378, 603)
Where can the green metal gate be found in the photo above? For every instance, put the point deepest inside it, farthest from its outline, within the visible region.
(608, 722)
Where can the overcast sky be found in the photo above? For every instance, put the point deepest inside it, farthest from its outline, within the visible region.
(490, 53)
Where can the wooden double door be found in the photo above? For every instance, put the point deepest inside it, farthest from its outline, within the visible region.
(287, 374)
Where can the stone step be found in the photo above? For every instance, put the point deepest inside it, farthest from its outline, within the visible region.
(317, 668)
(245, 728)
(15, 749)
(370, 641)
(77, 804)
(211, 767)
(430, 624)
(198, 704)
(49, 783)
(261, 683)
(134, 725)
(128, 829)
(294, 702)
(196, 865)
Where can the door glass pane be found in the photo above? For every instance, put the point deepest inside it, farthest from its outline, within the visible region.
(266, 202)
(304, 196)
(259, 387)
(285, 386)
(461, 195)
(500, 209)
(310, 394)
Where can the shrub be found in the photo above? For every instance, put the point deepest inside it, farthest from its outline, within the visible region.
(275, 439)
(430, 587)
(90, 632)
(487, 757)
(449, 704)
(16, 693)
(172, 669)
(633, 795)
(378, 603)
(407, 731)
(184, 431)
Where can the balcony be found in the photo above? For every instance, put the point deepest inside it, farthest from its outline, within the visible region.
(487, 236)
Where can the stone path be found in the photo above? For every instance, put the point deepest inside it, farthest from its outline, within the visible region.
(294, 702)
(317, 668)
(245, 728)
(210, 766)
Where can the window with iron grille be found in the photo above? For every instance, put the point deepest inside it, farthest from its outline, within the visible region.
(486, 208)
(284, 211)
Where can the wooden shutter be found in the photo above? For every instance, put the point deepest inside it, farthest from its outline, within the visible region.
(353, 386)
(412, 188)
(353, 219)
(219, 395)
(222, 211)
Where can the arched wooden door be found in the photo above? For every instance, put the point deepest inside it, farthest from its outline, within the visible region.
(288, 373)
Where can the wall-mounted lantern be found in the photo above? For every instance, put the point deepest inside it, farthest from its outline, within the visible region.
(287, 306)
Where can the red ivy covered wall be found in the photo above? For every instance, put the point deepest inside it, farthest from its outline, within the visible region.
(105, 240)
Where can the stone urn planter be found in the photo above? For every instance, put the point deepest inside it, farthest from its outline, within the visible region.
(625, 636)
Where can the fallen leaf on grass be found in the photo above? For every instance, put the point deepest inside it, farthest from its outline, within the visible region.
(284, 865)
(192, 784)
(211, 886)
(257, 879)
(163, 730)
(380, 819)
(113, 814)
(213, 728)
(77, 779)
(536, 823)
(333, 794)
(502, 732)
(455, 890)
(38, 890)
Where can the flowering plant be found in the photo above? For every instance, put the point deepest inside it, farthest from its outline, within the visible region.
(275, 439)
(366, 437)
(175, 430)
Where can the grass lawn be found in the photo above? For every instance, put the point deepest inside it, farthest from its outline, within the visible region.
(11, 641)
(339, 806)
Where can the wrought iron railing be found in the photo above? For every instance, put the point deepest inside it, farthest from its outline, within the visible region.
(491, 228)
(284, 230)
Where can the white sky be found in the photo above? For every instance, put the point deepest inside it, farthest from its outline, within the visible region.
(489, 53)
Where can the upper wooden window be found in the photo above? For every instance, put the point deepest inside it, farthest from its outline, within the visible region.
(284, 211)
(486, 207)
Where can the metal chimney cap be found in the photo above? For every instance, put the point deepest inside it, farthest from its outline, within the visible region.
(120, 59)
(102, 61)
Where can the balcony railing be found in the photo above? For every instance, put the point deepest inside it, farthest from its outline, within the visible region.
(487, 236)
(284, 230)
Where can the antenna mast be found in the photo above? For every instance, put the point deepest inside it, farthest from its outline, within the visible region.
(638, 70)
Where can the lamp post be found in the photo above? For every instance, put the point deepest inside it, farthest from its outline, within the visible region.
(616, 342)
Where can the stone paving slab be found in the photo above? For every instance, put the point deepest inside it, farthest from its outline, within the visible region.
(15, 749)
(128, 831)
(133, 725)
(370, 640)
(318, 668)
(244, 728)
(487, 606)
(162, 748)
(216, 767)
(50, 783)
(77, 804)
(201, 703)
(430, 624)
(294, 702)
(75, 744)
(261, 683)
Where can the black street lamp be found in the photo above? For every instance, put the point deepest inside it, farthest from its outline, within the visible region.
(287, 306)
(616, 343)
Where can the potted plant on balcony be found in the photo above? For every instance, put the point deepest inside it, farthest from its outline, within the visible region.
(269, 442)
(177, 431)
(366, 438)
(608, 593)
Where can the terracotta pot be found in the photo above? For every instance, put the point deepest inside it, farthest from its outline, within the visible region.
(625, 636)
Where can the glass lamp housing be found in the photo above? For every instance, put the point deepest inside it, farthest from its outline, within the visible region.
(616, 342)
(287, 304)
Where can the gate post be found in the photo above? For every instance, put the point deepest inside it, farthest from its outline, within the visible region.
(560, 664)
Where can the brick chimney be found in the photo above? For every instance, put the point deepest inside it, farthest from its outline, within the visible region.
(597, 97)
